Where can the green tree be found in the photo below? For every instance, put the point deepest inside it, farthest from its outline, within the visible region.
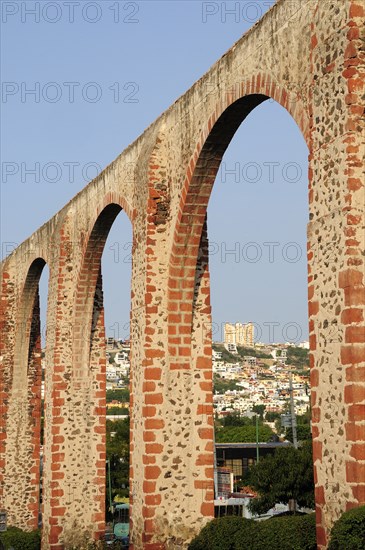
(259, 409)
(303, 433)
(120, 395)
(285, 475)
(117, 452)
(235, 419)
(303, 428)
(243, 434)
(272, 416)
(117, 411)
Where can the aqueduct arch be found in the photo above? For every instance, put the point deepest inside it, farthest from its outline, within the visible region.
(190, 323)
(308, 56)
(23, 429)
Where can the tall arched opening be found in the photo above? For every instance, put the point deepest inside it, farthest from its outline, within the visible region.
(257, 219)
(78, 471)
(189, 282)
(25, 414)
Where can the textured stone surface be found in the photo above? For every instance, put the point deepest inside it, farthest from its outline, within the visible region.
(308, 55)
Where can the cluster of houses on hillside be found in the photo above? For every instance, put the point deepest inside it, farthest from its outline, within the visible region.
(118, 364)
(260, 382)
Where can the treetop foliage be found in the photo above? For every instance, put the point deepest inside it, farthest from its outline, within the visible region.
(287, 474)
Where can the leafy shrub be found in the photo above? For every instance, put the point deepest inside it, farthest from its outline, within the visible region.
(219, 533)
(233, 533)
(100, 545)
(21, 540)
(287, 533)
(349, 531)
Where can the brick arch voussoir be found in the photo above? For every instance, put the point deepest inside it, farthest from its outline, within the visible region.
(195, 193)
(113, 197)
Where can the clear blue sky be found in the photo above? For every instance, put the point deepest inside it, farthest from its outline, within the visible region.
(98, 85)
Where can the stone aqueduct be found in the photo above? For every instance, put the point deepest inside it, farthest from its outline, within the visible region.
(309, 56)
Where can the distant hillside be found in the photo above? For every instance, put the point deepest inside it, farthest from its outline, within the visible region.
(298, 357)
(242, 352)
